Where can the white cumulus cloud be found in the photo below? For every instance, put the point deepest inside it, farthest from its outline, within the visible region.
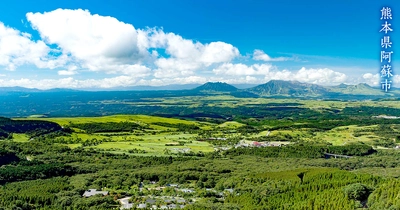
(91, 41)
(103, 43)
(371, 79)
(238, 80)
(69, 82)
(66, 73)
(187, 56)
(260, 55)
(266, 72)
(242, 69)
(176, 80)
(376, 79)
(17, 49)
(319, 76)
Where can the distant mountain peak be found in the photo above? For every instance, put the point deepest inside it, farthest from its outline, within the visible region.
(358, 89)
(342, 85)
(288, 88)
(27, 90)
(18, 89)
(364, 85)
(216, 87)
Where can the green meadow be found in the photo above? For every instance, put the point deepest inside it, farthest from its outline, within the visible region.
(158, 139)
(291, 120)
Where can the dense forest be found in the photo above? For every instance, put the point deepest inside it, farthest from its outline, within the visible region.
(62, 175)
(107, 127)
(303, 151)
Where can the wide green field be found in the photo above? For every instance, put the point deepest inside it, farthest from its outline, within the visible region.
(117, 118)
(337, 136)
(231, 101)
(164, 136)
(159, 140)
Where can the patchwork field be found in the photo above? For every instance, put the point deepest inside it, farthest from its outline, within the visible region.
(232, 102)
(118, 118)
(252, 119)
(159, 136)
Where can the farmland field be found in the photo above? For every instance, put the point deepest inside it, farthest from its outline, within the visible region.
(152, 139)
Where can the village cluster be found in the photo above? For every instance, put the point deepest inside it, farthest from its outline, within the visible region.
(159, 202)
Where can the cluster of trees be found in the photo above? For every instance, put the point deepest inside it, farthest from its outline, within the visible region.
(95, 127)
(33, 148)
(137, 151)
(4, 134)
(74, 140)
(7, 157)
(248, 129)
(370, 111)
(32, 172)
(321, 189)
(54, 193)
(327, 123)
(33, 128)
(385, 196)
(303, 151)
(31, 194)
(180, 126)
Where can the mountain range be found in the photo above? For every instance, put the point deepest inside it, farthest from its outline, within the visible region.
(273, 88)
(280, 88)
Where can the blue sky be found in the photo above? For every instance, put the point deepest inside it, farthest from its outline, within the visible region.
(102, 44)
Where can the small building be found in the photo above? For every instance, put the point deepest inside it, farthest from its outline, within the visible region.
(150, 201)
(172, 206)
(172, 185)
(93, 192)
(156, 188)
(187, 190)
(256, 144)
(230, 190)
(141, 206)
(127, 206)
